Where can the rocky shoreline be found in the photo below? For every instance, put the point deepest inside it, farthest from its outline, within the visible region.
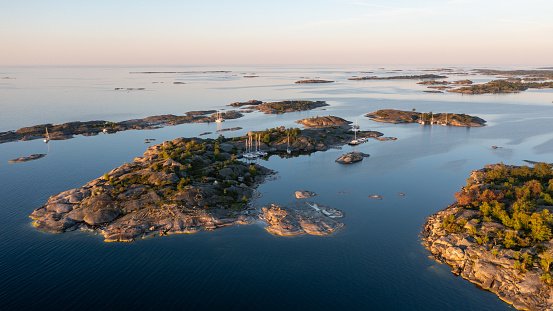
(190, 184)
(508, 258)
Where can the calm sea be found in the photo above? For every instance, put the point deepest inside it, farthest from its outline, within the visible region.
(375, 262)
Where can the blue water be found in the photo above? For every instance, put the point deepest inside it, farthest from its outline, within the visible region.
(375, 262)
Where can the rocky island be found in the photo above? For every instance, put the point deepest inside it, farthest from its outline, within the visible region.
(498, 233)
(313, 81)
(446, 119)
(289, 106)
(501, 86)
(252, 102)
(321, 122)
(434, 82)
(90, 128)
(190, 184)
(412, 77)
(29, 158)
(352, 157)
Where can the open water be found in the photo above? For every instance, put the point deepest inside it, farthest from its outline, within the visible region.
(376, 262)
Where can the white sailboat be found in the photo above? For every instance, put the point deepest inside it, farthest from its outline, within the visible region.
(354, 142)
(421, 121)
(219, 117)
(47, 138)
(288, 150)
(258, 151)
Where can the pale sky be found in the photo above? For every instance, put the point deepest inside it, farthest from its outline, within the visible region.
(171, 32)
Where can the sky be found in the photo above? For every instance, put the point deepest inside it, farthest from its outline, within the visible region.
(247, 32)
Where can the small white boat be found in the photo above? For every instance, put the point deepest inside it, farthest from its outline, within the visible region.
(354, 142)
(47, 138)
(288, 150)
(219, 117)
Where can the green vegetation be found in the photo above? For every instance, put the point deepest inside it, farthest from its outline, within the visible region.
(517, 198)
(188, 165)
(278, 134)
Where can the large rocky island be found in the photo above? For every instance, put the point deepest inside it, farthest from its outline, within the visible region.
(446, 119)
(498, 233)
(190, 184)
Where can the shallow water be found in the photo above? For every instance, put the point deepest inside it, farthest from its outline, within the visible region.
(375, 262)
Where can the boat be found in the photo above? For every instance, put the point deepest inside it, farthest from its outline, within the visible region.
(421, 121)
(47, 138)
(354, 142)
(288, 150)
(258, 151)
(356, 126)
(445, 123)
(219, 117)
(250, 153)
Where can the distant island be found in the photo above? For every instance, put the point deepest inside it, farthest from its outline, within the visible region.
(546, 72)
(449, 119)
(434, 82)
(412, 77)
(498, 233)
(313, 81)
(501, 86)
(190, 184)
(164, 72)
(289, 106)
(252, 102)
(90, 128)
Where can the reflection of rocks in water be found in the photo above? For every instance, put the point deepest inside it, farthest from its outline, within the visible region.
(300, 218)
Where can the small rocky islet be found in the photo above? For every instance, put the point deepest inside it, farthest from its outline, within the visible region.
(307, 81)
(498, 233)
(28, 158)
(190, 184)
